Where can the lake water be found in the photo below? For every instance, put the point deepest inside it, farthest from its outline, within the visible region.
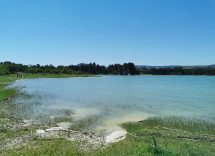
(122, 98)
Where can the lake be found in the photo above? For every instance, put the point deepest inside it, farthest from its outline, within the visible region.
(117, 99)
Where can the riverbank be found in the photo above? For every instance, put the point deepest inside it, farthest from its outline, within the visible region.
(153, 136)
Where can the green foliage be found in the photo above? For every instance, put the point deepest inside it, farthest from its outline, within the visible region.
(179, 71)
(91, 68)
(4, 70)
(125, 69)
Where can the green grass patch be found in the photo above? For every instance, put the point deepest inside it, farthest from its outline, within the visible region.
(4, 92)
(171, 136)
(196, 126)
(46, 147)
(46, 75)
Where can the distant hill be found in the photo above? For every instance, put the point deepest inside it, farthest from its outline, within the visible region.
(145, 66)
(212, 66)
(175, 66)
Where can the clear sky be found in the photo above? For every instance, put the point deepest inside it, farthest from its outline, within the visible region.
(147, 32)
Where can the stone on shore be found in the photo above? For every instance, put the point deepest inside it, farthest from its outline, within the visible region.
(26, 123)
(115, 137)
(40, 131)
(54, 129)
(65, 125)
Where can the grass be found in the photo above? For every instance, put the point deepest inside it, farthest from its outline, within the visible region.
(45, 75)
(4, 92)
(172, 136)
(56, 147)
(152, 137)
(194, 126)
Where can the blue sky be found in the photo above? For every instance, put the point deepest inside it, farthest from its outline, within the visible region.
(149, 32)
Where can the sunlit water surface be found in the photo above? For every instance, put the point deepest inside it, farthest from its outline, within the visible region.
(116, 99)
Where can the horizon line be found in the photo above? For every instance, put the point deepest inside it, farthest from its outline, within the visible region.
(176, 65)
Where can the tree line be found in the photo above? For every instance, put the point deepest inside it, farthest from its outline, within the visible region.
(179, 71)
(91, 68)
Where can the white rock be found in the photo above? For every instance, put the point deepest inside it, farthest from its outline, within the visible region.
(40, 131)
(115, 136)
(27, 123)
(54, 129)
(65, 125)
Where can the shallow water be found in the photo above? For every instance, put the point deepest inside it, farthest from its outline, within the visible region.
(122, 98)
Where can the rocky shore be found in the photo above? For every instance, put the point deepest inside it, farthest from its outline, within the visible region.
(24, 131)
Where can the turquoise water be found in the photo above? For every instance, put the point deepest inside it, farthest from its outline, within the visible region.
(124, 97)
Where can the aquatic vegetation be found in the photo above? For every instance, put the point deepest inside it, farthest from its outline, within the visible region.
(87, 122)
